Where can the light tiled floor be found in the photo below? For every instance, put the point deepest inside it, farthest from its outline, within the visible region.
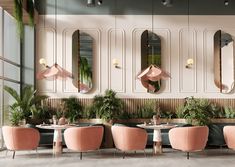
(104, 158)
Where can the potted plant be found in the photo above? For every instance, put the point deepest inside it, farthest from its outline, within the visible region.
(196, 111)
(108, 107)
(73, 109)
(25, 104)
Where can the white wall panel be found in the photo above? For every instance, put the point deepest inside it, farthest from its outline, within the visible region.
(46, 49)
(198, 81)
(116, 50)
(187, 49)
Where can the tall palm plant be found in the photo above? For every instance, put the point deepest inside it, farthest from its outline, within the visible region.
(26, 103)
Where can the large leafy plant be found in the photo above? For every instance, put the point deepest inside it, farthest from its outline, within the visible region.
(25, 104)
(196, 111)
(108, 106)
(73, 109)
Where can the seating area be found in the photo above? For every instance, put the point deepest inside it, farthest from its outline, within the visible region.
(117, 83)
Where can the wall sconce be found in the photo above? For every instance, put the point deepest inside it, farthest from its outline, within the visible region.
(42, 61)
(226, 2)
(189, 63)
(115, 63)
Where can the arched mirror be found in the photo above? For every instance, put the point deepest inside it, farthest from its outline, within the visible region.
(151, 54)
(82, 60)
(223, 61)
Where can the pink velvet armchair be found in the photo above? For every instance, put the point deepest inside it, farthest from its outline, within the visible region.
(20, 138)
(189, 139)
(129, 138)
(84, 139)
(229, 136)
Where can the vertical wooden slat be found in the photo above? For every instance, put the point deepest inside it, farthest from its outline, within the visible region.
(131, 104)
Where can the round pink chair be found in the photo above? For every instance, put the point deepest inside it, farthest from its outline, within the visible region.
(189, 139)
(229, 136)
(20, 138)
(129, 138)
(84, 139)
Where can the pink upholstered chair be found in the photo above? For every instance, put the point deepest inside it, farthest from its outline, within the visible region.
(84, 139)
(229, 136)
(20, 138)
(129, 138)
(189, 139)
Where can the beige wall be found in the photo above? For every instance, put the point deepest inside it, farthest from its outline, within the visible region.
(173, 31)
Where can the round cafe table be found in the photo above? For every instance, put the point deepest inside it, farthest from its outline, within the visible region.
(57, 138)
(157, 137)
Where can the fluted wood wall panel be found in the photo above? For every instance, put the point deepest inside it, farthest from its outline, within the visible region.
(132, 104)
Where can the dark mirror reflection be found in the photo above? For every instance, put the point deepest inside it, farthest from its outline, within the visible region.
(223, 61)
(82, 60)
(151, 54)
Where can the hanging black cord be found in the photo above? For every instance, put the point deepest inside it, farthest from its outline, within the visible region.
(152, 18)
(56, 32)
(115, 25)
(152, 36)
(188, 31)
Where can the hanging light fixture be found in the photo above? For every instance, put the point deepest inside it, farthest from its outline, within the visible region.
(152, 73)
(55, 71)
(115, 61)
(167, 3)
(190, 61)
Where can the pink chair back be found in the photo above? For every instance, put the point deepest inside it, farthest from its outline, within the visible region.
(129, 138)
(189, 139)
(20, 138)
(84, 138)
(229, 136)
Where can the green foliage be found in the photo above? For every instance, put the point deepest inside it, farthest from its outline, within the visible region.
(73, 109)
(147, 110)
(88, 112)
(168, 114)
(196, 111)
(42, 113)
(126, 115)
(18, 14)
(15, 117)
(85, 70)
(180, 111)
(26, 103)
(229, 112)
(107, 107)
(216, 111)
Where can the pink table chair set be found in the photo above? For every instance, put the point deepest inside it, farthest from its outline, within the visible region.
(83, 139)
